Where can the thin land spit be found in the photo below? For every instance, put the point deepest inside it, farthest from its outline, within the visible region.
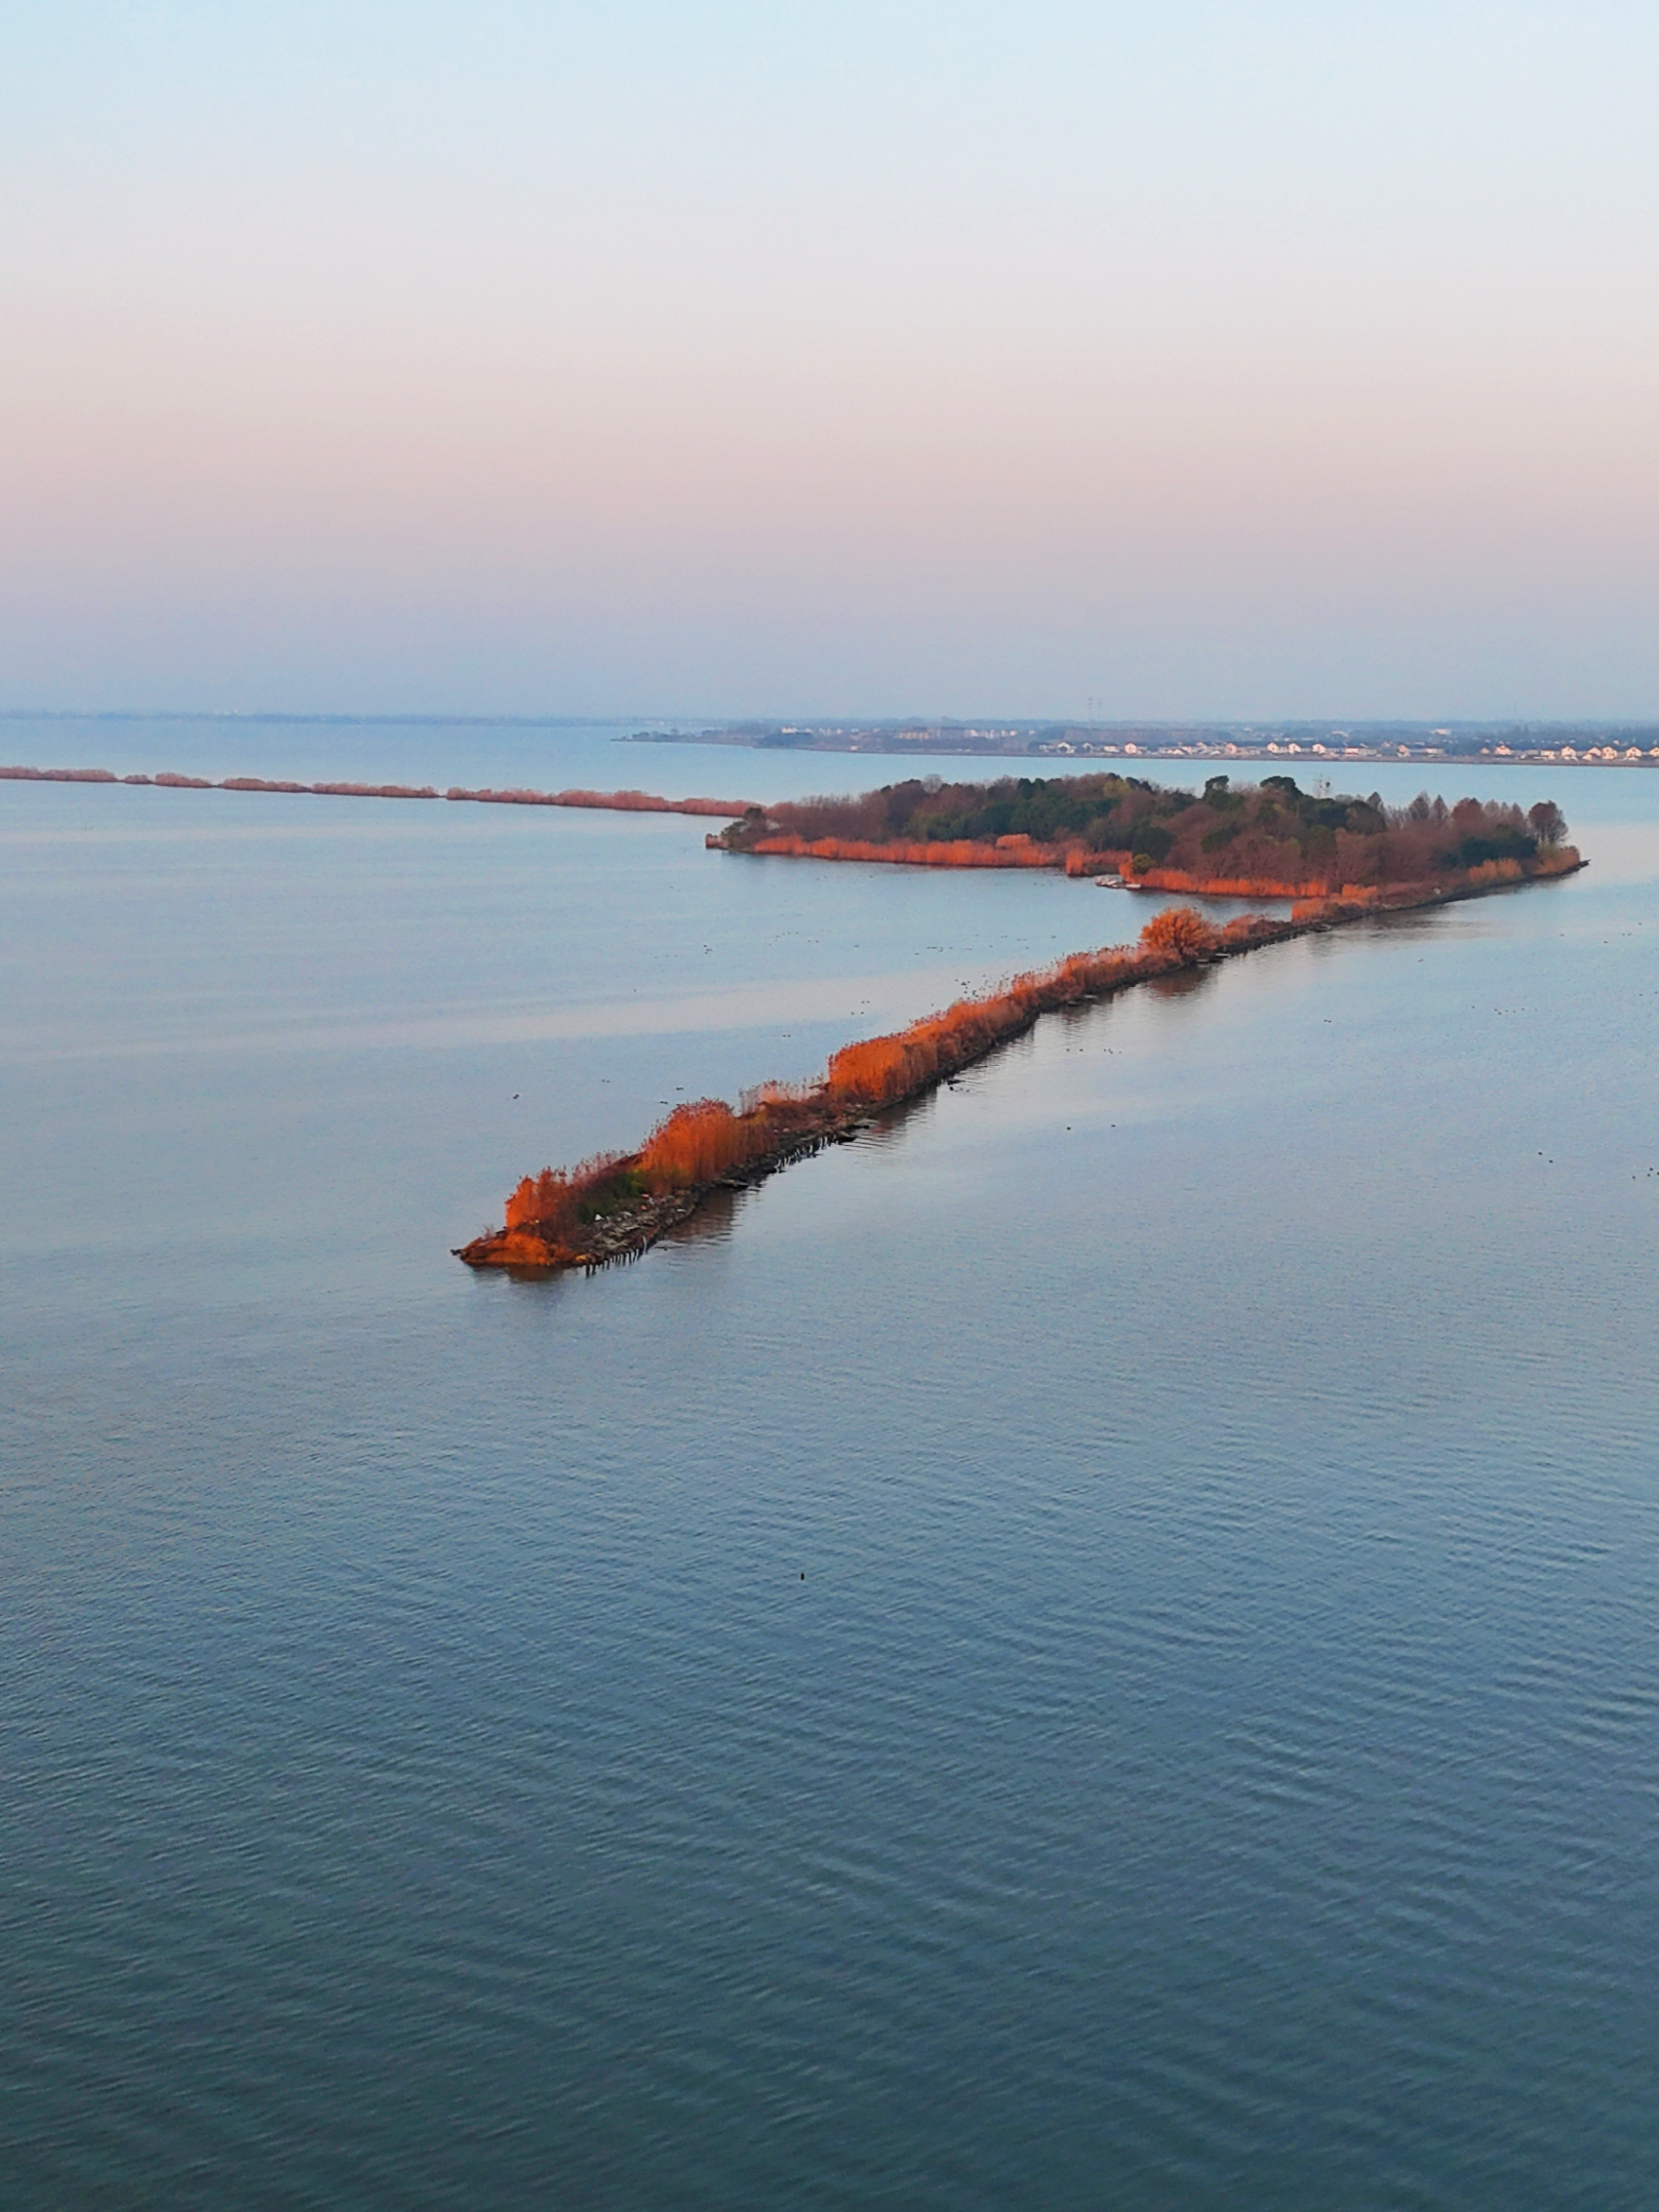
(610, 802)
(616, 1206)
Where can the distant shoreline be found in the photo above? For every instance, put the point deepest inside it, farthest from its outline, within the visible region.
(231, 718)
(1556, 745)
(1572, 743)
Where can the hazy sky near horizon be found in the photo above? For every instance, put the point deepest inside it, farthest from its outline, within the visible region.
(1196, 359)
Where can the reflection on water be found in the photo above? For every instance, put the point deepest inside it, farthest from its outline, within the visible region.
(714, 1220)
(1186, 983)
(884, 1129)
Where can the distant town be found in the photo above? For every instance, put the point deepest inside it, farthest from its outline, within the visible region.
(1601, 745)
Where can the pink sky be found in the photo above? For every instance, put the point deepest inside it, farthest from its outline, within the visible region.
(753, 359)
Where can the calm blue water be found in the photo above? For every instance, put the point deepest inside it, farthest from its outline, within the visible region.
(1211, 1757)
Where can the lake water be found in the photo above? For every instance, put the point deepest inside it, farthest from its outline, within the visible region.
(1094, 1647)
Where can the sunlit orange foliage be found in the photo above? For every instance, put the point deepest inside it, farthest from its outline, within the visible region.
(1181, 931)
(522, 1248)
(1247, 929)
(959, 852)
(1081, 862)
(880, 1070)
(1225, 886)
(1356, 900)
(877, 1068)
(698, 1142)
(1369, 864)
(553, 1200)
(1557, 860)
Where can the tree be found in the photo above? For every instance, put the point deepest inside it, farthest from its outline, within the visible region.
(1181, 931)
(1547, 822)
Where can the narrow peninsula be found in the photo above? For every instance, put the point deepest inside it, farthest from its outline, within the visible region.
(1337, 860)
(609, 801)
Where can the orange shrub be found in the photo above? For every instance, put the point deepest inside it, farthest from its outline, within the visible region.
(696, 1143)
(1251, 930)
(1080, 862)
(1226, 887)
(958, 852)
(1556, 860)
(876, 1071)
(1180, 930)
(552, 1201)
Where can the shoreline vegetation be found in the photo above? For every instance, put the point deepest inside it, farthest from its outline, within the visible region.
(1270, 840)
(612, 802)
(614, 1207)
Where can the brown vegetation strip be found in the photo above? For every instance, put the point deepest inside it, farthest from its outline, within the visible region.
(612, 802)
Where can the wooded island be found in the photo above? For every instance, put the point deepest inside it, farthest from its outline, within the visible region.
(1270, 840)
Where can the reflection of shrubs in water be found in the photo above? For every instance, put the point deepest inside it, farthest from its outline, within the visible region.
(1184, 985)
(890, 1124)
(712, 1222)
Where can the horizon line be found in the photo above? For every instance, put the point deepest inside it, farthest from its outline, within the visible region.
(461, 719)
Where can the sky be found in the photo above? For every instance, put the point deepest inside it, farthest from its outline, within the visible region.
(773, 358)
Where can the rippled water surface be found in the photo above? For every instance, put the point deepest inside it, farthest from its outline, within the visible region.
(1095, 1647)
